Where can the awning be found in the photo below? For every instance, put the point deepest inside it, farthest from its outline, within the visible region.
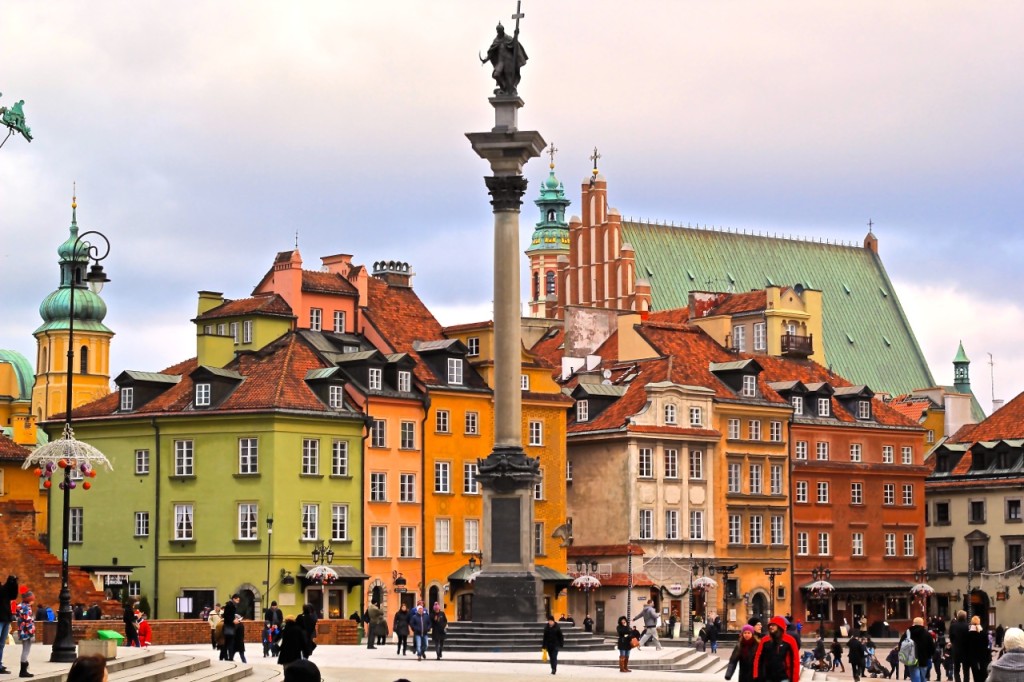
(463, 573)
(346, 574)
(550, 575)
(854, 585)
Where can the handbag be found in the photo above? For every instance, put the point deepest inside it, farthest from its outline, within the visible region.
(634, 643)
(543, 654)
(229, 630)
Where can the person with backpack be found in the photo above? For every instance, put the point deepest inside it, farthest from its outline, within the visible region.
(916, 648)
(778, 657)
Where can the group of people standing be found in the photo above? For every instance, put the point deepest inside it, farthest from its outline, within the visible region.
(419, 623)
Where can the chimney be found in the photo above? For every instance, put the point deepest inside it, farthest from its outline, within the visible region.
(395, 273)
(996, 404)
(208, 300)
(340, 263)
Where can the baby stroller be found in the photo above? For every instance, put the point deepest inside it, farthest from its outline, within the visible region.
(874, 668)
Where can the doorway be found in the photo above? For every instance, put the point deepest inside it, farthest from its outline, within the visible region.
(464, 610)
(859, 611)
(200, 599)
(599, 617)
(759, 607)
(247, 604)
(329, 602)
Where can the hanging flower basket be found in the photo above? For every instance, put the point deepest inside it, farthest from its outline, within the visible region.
(322, 575)
(586, 583)
(922, 590)
(704, 583)
(66, 453)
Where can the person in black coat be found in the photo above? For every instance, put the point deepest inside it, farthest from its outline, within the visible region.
(8, 593)
(979, 656)
(228, 618)
(295, 643)
(131, 633)
(958, 640)
(439, 629)
(625, 643)
(400, 626)
(553, 641)
(239, 640)
(855, 654)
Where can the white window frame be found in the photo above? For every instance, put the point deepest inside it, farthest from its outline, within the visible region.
(857, 544)
(536, 433)
(202, 394)
(538, 487)
(406, 487)
(756, 479)
(248, 456)
(76, 529)
(739, 338)
(823, 492)
(801, 492)
(777, 530)
(407, 542)
(310, 456)
(379, 433)
(339, 321)
(760, 336)
(339, 522)
(734, 428)
(776, 477)
(472, 423)
(316, 318)
(669, 411)
(671, 524)
(888, 494)
(248, 516)
(645, 463)
(735, 477)
(671, 463)
(470, 484)
(404, 381)
(234, 332)
(184, 522)
(407, 435)
(754, 429)
(803, 543)
(142, 462)
(336, 396)
(824, 544)
(442, 535)
(646, 520)
(375, 378)
(821, 451)
(538, 539)
(696, 524)
(801, 450)
(857, 493)
(184, 458)
(310, 522)
(339, 457)
(909, 548)
(907, 495)
(141, 524)
(471, 535)
(524, 382)
(907, 455)
(582, 410)
(890, 544)
(856, 452)
(888, 454)
(378, 542)
(775, 431)
(797, 402)
(442, 478)
(735, 529)
(696, 462)
(755, 526)
(749, 386)
(696, 417)
(863, 409)
(824, 407)
(455, 375)
(442, 421)
(378, 486)
(473, 346)
(127, 394)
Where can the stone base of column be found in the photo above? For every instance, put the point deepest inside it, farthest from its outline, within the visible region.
(514, 597)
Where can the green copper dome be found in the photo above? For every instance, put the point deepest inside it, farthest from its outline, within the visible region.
(552, 231)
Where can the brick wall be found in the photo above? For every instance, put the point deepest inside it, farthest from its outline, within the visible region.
(22, 554)
(198, 631)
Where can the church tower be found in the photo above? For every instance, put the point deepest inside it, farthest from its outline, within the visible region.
(550, 240)
(961, 371)
(91, 363)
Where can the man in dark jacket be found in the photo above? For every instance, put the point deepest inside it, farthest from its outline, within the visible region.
(777, 657)
(228, 618)
(855, 654)
(924, 649)
(958, 640)
(8, 593)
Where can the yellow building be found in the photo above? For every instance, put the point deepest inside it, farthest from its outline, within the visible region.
(90, 356)
(18, 433)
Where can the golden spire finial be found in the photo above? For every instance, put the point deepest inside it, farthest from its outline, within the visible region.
(594, 157)
(74, 192)
(551, 152)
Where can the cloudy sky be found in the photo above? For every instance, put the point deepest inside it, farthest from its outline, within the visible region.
(204, 135)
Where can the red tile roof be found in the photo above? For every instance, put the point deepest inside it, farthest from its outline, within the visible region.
(271, 304)
(469, 326)
(622, 580)
(616, 414)
(11, 451)
(747, 302)
(549, 349)
(274, 379)
(401, 318)
(1005, 423)
(327, 283)
(911, 408)
(677, 316)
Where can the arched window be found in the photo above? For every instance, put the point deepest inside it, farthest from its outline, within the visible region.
(536, 285)
(551, 215)
(435, 597)
(44, 362)
(83, 355)
(549, 282)
(376, 596)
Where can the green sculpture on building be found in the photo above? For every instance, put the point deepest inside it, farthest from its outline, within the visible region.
(14, 119)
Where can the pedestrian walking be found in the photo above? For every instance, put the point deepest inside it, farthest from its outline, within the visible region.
(439, 629)
(374, 618)
(552, 642)
(778, 656)
(308, 621)
(837, 654)
(228, 629)
(742, 657)
(958, 639)
(294, 644)
(625, 643)
(1010, 666)
(857, 657)
(400, 626)
(915, 664)
(714, 628)
(213, 619)
(8, 595)
(979, 654)
(650, 618)
(419, 624)
(26, 629)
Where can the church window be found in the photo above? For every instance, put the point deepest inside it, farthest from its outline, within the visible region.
(536, 285)
(551, 215)
(549, 282)
(83, 367)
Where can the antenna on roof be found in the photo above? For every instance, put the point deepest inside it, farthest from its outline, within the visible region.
(296, 239)
(992, 376)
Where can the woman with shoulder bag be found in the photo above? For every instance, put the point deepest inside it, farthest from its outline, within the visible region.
(626, 643)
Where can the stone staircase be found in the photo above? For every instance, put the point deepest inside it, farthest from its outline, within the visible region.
(156, 666)
(682, 659)
(510, 637)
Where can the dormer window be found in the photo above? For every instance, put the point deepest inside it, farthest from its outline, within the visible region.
(824, 407)
(696, 417)
(798, 405)
(376, 378)
(202, 395)
(455, 371)
(127, 398)
(582, 410)
(749, 386)
(336, 397)
(863, 409)
(350, 349)
(524, 382)
(404, 381)
(670, 413)
(473, 344)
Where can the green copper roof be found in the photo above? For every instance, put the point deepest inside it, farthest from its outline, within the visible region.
(22, 369)
(89, 310)
(552, 231)
(868, 339)
(961, 356)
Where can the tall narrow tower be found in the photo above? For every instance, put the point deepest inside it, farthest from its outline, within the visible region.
(550, 240)
(92, 337)
(961, 371)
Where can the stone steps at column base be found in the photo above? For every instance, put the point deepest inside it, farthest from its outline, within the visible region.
(509, 637)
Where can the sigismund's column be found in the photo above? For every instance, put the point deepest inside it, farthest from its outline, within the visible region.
(507, 589)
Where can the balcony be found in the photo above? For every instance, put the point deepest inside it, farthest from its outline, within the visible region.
(797, 346)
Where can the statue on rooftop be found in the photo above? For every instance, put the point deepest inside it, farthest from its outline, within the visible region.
(14, 120)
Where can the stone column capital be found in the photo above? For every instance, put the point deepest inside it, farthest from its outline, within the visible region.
(506, 191)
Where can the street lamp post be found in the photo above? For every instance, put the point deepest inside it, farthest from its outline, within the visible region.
(725, 570)
(270, 535)
(920, 579)
(771, 572)
(64, 644)
(821, 590)
(586, 567)
(970, 588)
(703, 568)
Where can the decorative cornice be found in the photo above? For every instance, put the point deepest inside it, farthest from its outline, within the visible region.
(506, 191)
